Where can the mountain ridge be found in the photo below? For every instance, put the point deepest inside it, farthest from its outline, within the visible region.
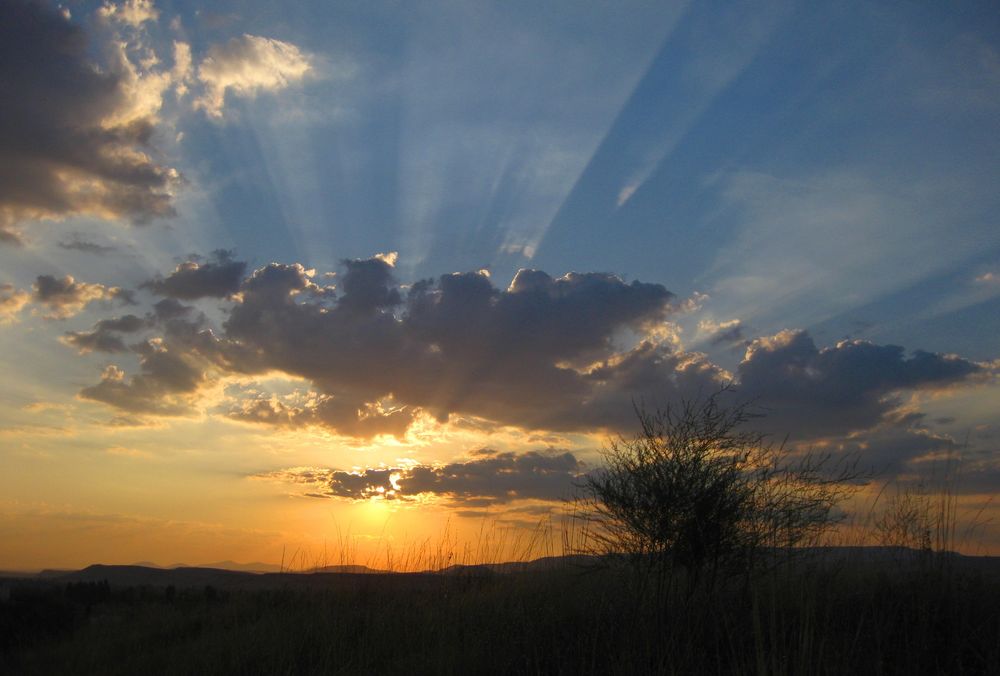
(265, 575)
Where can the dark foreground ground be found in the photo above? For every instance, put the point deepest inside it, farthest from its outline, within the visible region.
(842, 617)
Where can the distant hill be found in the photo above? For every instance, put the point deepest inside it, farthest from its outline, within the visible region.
(355, 569)
(535, 565)
(255, 567)
(228, 574)
(53, 572)
(253, 577)
(16, 574)
(134, 576)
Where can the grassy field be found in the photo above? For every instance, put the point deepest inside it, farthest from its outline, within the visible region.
(848, 615)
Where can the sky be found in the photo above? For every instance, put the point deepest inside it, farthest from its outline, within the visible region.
(359, 280)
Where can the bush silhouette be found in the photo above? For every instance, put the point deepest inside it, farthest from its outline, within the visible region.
(699, 490)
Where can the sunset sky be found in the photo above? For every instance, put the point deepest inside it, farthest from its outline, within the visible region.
(280, 276)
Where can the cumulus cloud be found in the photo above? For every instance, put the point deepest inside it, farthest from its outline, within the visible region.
(217, 278)
(246, 66)
(79, 118)
(64, 297)
(74, 135)
(562, 354)
(835, 390)
(12, 301)
(106, 335)
(489, 478)
(459, 345)
(167, 384)
(893, 449)
(169, 308)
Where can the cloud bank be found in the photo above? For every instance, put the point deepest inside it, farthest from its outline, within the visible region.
(566, 354)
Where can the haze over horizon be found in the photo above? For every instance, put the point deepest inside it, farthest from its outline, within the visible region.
(305, 276)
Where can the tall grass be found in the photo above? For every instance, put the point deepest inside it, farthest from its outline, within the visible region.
(806, 618)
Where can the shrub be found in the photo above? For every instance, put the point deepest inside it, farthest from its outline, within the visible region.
(699, 489)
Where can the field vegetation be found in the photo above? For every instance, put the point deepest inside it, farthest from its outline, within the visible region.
(850, 614)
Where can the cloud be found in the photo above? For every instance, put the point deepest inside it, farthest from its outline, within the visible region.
(74, 134)
(218, 278)
(79, 120)
(489, 478)
(728, 333)
(814, 392)
(12, 301)
(893, 450)
(167, 384)
(77, 243)
(246, 66)
(65, 297)
(566, 354)
(182, 71)
(351, 417)
(459, 344)
(105, 336)
(131, 12)
(168, 309)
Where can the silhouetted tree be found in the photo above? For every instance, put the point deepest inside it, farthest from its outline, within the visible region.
(698, 489)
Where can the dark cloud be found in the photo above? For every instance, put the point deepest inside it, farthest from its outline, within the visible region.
(543, 354)
(217, 278)
(502, 477)
(835, 390)
(165, 385)
(367, 286)
(487, 479)
(64, 296)
(885, 452)
(106, 334)
(77, 243)
(924, 461)
(979, 477)
(73, 137)
(728, 334)
(124, 296)
(455, 345)
(168, 309)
